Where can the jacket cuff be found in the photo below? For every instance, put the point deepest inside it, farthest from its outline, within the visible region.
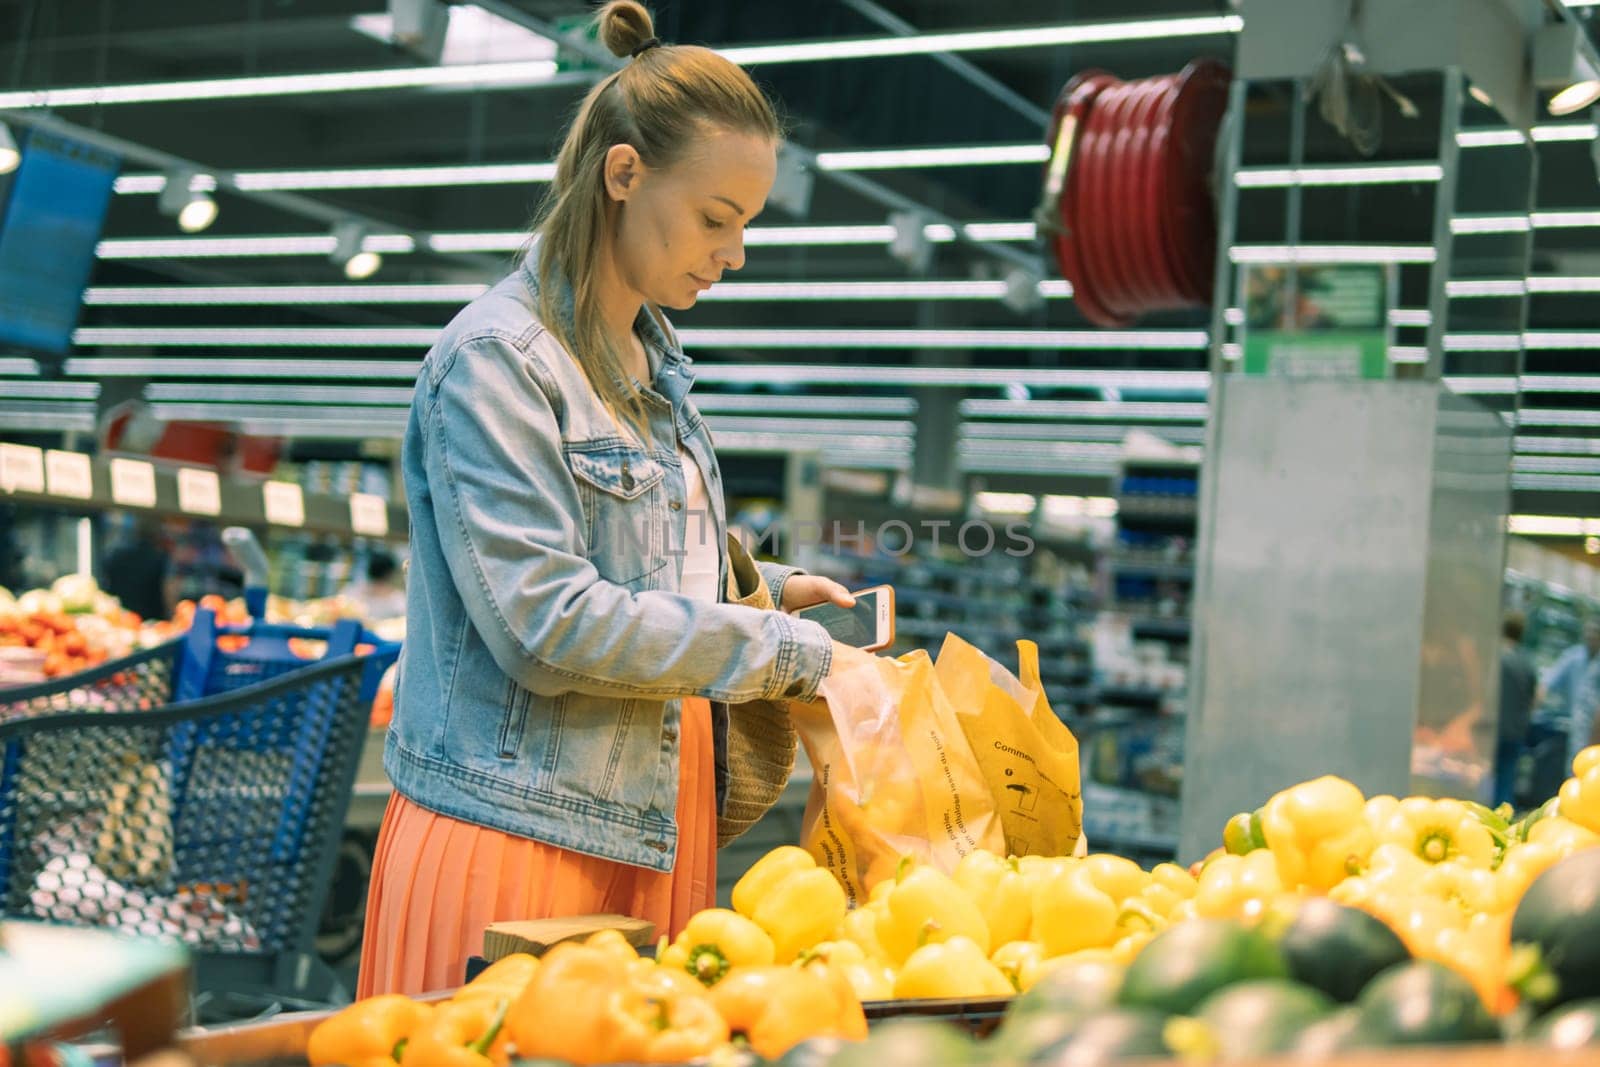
(806, 658)
(776, 576)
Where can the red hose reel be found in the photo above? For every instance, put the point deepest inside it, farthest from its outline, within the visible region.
(1129, 205)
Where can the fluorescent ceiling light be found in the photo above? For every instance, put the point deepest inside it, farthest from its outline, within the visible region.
(1485, 287)
(278, 295)
(1476, 224)
(1333, 254)
(243, 247)
(1495, 138)
(211, 392)
(1561, 483)
(214, 368)
(1566, 446)
(474, 35)
(1545, 339)
(10, 154)
(985, 40)
(704, 337)
(1557, 417)
(1408, 354)
(472, 76)
(1056, 507)
(1083, 433)
(1410, 317)
(1482, 384)
(49, 390)
(1559, 284)
(1575, 97)
(1561, 383)
(1482, 342)
(19, 366)
(1564, 219)
(1087, 409)
(1556, 465)
(296, 295)
(1552, 525)
(1006, 503)
(955, 156)
(513, 240)
(1353, 174)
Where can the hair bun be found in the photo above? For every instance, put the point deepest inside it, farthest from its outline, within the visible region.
(624, 26)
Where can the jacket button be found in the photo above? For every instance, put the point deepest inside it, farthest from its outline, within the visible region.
(795, 689)
(676, 505)
(659, 846)
(670, 734)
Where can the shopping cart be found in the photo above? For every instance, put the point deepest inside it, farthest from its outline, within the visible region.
(214, 821)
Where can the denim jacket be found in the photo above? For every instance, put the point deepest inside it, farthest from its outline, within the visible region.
(547, 645)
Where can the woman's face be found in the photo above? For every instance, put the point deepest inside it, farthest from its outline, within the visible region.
(678, 229)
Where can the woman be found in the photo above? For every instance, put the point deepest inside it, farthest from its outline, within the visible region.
(554, 748)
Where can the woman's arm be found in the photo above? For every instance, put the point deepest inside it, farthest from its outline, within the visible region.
(509, 518)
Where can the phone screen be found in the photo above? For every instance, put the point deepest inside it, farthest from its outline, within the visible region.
(857, 626)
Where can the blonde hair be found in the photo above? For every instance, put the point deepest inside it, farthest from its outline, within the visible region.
(659, 103)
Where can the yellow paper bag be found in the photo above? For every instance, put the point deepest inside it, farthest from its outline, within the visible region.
(894, 776)
(1028, 756)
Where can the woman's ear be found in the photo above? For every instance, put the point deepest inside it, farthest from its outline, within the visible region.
(623, 171)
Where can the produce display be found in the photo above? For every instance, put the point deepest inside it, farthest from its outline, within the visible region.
(1328, 921)
(47, 633)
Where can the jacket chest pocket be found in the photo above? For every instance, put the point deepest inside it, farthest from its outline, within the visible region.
(623, 508)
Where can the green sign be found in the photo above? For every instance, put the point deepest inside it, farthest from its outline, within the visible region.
(1311, 321)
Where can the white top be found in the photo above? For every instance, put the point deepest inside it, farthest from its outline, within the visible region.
(702, 556)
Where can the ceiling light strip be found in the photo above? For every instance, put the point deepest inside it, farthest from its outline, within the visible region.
(704, 337)
(474, 75)
(1555, 132)
(296, 295)
(514, 240)
(952, 156)
(1352, 174)
(986, 40)
(1333, 254)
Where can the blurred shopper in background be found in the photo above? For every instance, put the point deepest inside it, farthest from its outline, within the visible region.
(139, 571)
(382, 593)
(1519, 683)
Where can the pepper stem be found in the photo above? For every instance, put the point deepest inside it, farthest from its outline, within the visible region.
(1530, 976)
(707, 963)
(1434, 846)
(481, 1046)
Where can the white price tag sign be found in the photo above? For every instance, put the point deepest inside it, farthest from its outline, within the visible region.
(21, 469)
(133, 483)
(69, 474)
(284, 503)
(199, 491)
(369, 515)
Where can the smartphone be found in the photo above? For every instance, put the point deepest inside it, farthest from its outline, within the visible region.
(868, 626)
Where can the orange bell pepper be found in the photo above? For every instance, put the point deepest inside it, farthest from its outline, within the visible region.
(367, 1033)
(777, 1007)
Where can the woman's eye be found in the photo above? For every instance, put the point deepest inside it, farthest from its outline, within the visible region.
(711, 223)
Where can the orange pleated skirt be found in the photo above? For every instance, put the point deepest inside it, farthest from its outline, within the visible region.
(437, 881)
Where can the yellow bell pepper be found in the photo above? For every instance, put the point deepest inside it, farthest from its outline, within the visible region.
(860, 927)
(589, 1005)
(1481, 953)
(367, 1032)
(1435, 830)
(613, 942)
(1160, 899)
(925, 907)
(1239, 887)
(775, 1007)
(764, 875)
(870, 978)
(800, 910)
(505, 979)
(999, 889)
(1316, 833)
(458, 1034)
(1522, 864)
(1131, 945)
(956, 967)
(716, 940)
(1116, 877)
(1562, 834)
(1242, 834)
(1016, 958)
(1176, 878)
(1580, 794)
(1473, 889)
(1070, 912)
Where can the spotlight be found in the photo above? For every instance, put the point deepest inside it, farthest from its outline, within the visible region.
(349, 256)
(1575, 97)
(1480, 96)
(910, 244)
(180, 198)
(10, 154)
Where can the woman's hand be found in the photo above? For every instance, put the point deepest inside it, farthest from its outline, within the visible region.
(806, 590)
